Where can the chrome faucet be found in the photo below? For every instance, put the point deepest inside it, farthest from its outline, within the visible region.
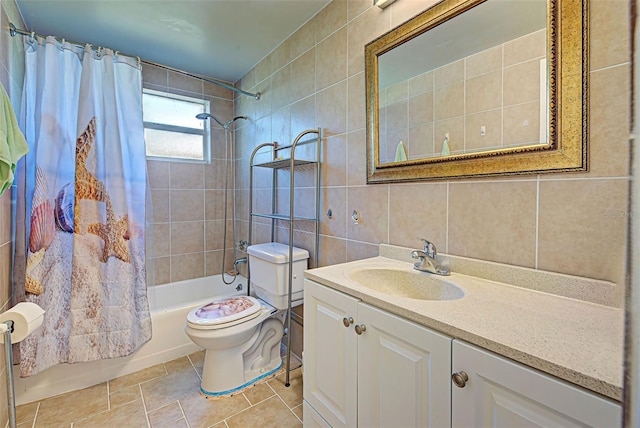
(428, 259)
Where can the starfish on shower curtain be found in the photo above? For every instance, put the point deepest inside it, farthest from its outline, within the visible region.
(112, 233)
(87, 185)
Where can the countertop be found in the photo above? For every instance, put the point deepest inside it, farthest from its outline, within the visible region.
(574, 340)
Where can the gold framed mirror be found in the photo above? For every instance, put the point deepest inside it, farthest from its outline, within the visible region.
(448, 96)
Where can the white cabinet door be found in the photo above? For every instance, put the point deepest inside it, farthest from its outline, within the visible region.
(403, 372)
(311, 418)
(330, 355)
(502, 393)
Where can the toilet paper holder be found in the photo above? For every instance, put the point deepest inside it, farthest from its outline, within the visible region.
(15, 325)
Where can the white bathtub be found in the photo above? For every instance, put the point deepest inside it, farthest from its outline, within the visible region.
(169, 305)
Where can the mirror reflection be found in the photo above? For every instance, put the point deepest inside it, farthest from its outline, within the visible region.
(475, 83)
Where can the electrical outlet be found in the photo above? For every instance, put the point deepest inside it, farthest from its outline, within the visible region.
(483, 130)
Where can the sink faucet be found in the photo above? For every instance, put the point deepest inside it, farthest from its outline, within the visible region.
(428, 259)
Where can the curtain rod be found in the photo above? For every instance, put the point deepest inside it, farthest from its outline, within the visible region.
(13, 31)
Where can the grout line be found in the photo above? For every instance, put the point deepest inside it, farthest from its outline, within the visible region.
(144, 405)
(35, 417)
(204, 226)
(280, 398)
(537, 248)
(237, 413)
(388, 213)
(170, 219)
(294, 413)
(465, 114)
(271, 388)
(184, 415)
(249, 401)
(502, 107)
(446, 239)
(515, 64)
(261, 401)
(194, 367)
(108, 396)
(608, 67)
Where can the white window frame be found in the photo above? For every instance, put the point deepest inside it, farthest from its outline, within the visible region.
(205, 132)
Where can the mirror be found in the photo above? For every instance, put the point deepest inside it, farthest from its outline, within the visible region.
(475, 88)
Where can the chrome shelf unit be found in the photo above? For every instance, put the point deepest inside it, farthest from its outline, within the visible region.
(314, 136)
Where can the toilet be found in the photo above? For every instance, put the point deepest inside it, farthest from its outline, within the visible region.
(241, 335)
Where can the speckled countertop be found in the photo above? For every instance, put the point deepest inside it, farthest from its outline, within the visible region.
(575, 340)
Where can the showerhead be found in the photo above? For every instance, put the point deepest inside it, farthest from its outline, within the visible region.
(204, 116)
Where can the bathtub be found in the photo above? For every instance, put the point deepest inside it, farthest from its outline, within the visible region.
(169, 305)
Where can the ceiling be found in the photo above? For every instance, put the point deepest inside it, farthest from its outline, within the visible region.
(221, 39)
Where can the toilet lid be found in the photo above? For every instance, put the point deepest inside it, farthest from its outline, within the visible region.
(224, 311)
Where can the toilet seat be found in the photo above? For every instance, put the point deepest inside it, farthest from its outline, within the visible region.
(227, 312)
(224, 311)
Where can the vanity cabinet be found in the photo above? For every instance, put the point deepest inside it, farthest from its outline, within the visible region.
(498, 392)
(330, 355)
(366, 367)
(391, 372)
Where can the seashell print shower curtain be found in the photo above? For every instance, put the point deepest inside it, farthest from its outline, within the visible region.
(82, 202)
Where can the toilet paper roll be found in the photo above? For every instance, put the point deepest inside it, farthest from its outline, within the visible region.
(26, 316)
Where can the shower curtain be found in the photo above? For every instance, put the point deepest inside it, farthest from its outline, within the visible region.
(83, 205)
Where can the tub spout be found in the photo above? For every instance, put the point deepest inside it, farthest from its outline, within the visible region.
(238, 261)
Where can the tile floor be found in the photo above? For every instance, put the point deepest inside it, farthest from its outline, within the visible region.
(167, 395)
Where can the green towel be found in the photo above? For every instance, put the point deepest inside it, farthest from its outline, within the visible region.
(401, 153)
(12, 143)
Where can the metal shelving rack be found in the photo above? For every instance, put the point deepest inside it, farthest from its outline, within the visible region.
(290, 163)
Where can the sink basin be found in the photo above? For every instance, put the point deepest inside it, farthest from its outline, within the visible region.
(402, 283)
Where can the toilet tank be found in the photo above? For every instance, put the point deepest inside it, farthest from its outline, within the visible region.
(269, 269)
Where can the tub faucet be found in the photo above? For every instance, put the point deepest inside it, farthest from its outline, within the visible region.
(428, 259)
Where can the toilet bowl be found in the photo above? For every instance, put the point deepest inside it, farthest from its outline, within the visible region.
(241, 335)
(240, 350)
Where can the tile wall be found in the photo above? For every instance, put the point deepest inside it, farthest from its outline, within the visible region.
(570, 223)
(188, 198)
(11, 77)
(498, 89)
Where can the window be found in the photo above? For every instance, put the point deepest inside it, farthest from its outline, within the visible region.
(171, 130)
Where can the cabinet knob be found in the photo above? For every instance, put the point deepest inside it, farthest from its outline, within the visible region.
(460, 379)
(360, 328)
(347, 321)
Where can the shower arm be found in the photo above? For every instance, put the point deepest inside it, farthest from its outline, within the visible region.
(205, 116)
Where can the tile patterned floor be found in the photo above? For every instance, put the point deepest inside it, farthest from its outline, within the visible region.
(167, 395)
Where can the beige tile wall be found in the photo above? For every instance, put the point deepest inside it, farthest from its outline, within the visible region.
(498, 89)
(188, 198)
(11, 77)
(569, 223)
